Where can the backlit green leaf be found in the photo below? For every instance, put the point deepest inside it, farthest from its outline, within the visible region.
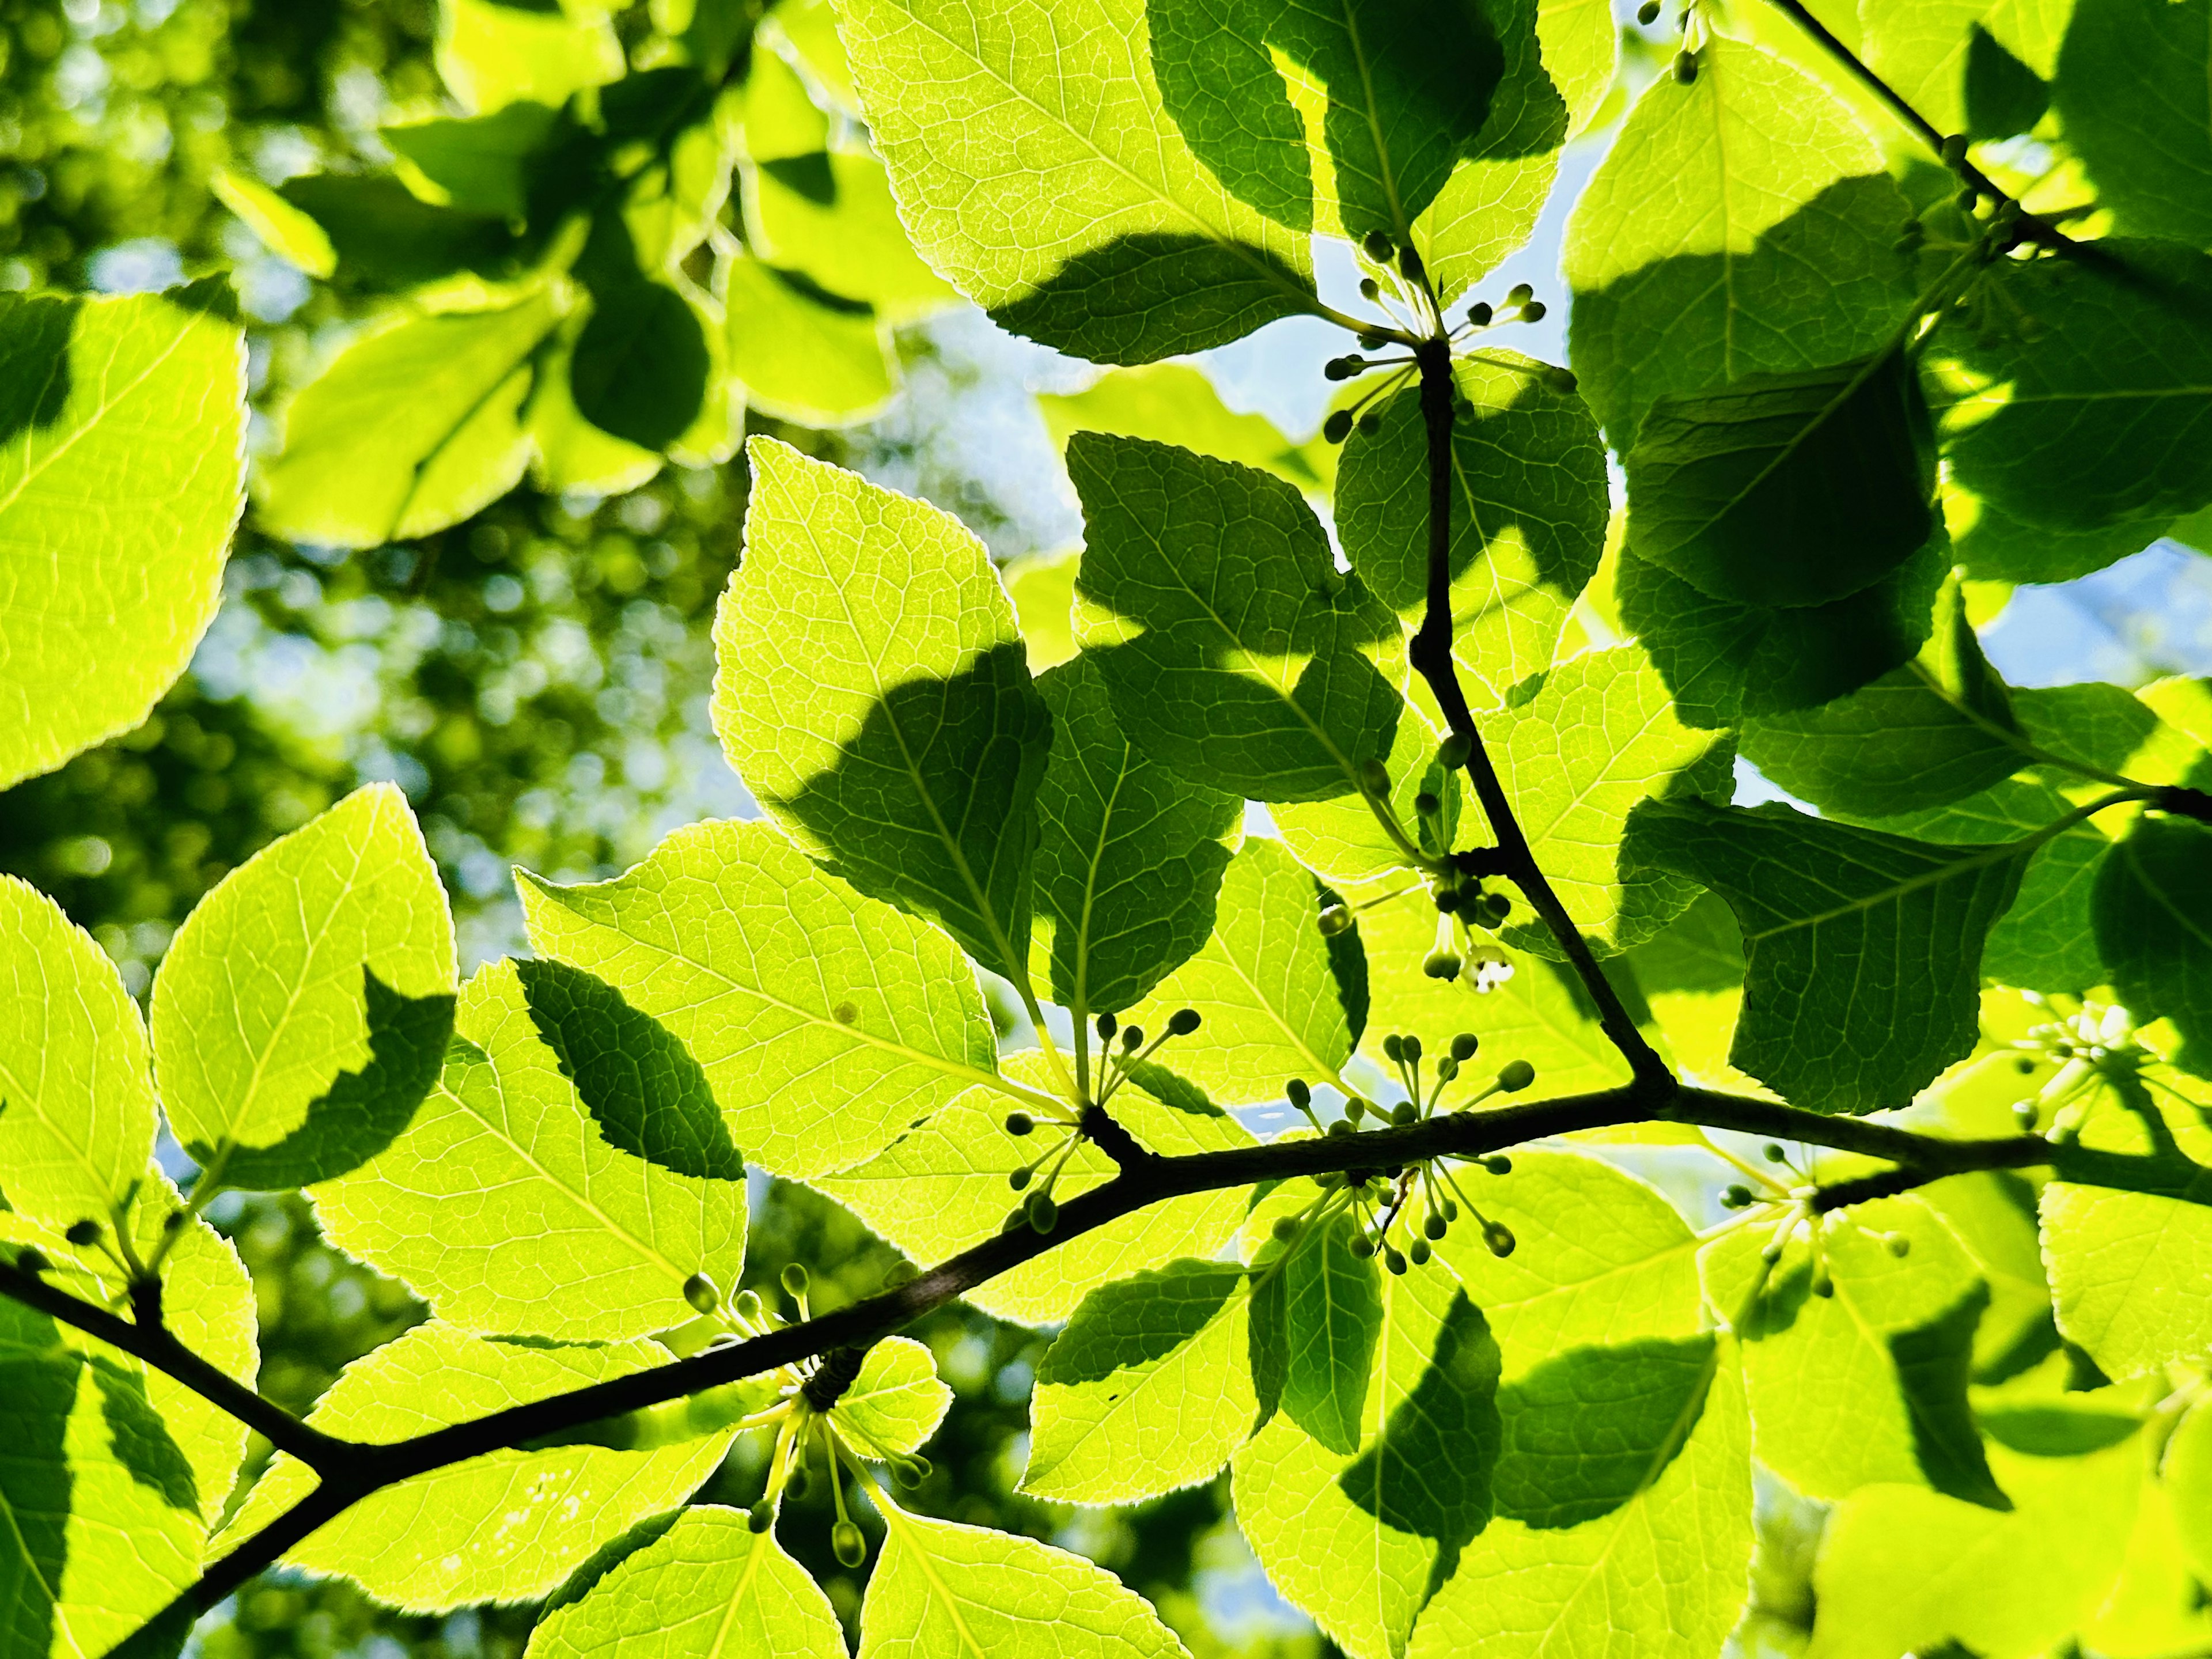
(490, 54)
(2153, 905)
(1333, 1313)
(1034, 168)
(897, 1401)
(122, 435)
(872, 693)
(1233, 649)
(825, 1021)
(801, 352)
(1175, 403)
(852, 243)
(577, 1240)
(2135, 89)
(1932, 51)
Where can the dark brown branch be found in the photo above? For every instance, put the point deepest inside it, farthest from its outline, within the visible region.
(152, 1343)
(1430, 653)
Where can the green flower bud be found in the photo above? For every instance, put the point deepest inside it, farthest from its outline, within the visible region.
(1954, 149)
(1019, 1123)
(83, 1234)
(1183, 1022)
(1409, 263)
(1371, 423)
(1338, 427)
(1772, 1153)
(1496, 907)
(1479, 313)
(1405, 1112)
(747, 1306)
(1374, 776)
(1686, 68)
(1393, 1258)
(1044, 1215)
(1771, 1252)
(800, 1484)
(1452, 753)
(1427, 804)
(907, 1472)
(1342, 1126)
(1498, 1163)
(1411, 1045)
(1499, 1237)
(1899, 1246)
(1451, 1210)
(1297, 1094)
(848, 1545)
(1823, 1283)
(1516, 1075)
(1107, 1026)
(1362, 1247)
(1419, 1251)
(1369, 289)
(1533, 312)
(1355, 1109)
(1333, 920)
(1328, 1181)
(1132, 1038)
(1464, 1045)
(1434, 1225)
(1285, 1228)
(1376, 246)
(1394, 1047)
(1648, 13)
(1016, 1218)
(1373, 339)
(1447, 1069)
(794, 1280)
(1342, 368)
(1019, 1178)
(761, 1516)
(32, 1261)
(1737, 1197)
(1520, 294)
(699, 1290)
(1442, 965)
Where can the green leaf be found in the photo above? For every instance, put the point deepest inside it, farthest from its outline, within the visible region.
(709, 1586)
(1176, 403)
(505, 1209)
(802, 353)
(1343, 839)
(872, 694)
(943, 1187)
(640, 370)
(1598, 740)
(642, 1087)
(1836, 465)
(2132, 89)
(1689, 249)
(1938, 54)
(1863, 949)
(384, 235)
(1233, 649)
(1129, 856)
(1867, 1385)
(1599, 1258)
(1034, 168)
(1360, 1542)
(480, 165)
(1146, 1390)
(138, 405)
(825, 1021)
(492, 54)
(1937, 731)
(2056, 1430)
(506, 1526)
(1582, 1434)
(1262, 984)
(1992, 545)
(1724, 661)
(104, 1526)
(2188, 1471)
(852, 243)
(2104, 415)
(302, 1011)
(1527, 513)
(2127, 1272)
(947, 1591)
(1991, 1214)
(1903, 1568)
(76, 1089)
(1663, 1573)
(282, 228)
(1333, 1311)
(2153, 907)
(897, 1401)
(1042, 588)
(414, 426)
(1403, 89)
(782, 120)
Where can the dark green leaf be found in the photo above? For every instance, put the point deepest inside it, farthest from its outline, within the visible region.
(1787, 489)
(1863, 949)
(2153, 919)
(2003, 96)
(2135, 90)
(1585, 1432)
(1332, 1309)
(1136, 1321)
(641, 367)
(482, 166)
(2056, 1430)
(1934, 1362)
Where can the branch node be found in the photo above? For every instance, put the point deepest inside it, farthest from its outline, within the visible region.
(1106, 1133)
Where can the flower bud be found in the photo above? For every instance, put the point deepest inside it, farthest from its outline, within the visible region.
(1342, 1126)
(1447, 1069)
(1899, 1246)
(1498, 1163)
(1464, 1045)
(1297, 1094)
(1371, 423)
(1107, 1026)
(1376, 246)
(1019, 1178)
(1132, 1038)
(1405, 1112)
(1954, 149)
(1019, 1123)
(1520, 294)
(1363, 1245)
(1374, 776)
(1434, 1226)
(1338, 427)
(1479, 313)
(2024, 1113)
(1533, 312)
(907, 1472)
(1737, 1197)
(1443, 964)
(761, 1516)
(794, 1279)
(1409, 263)
(747, 1306)
(799, 1484)
(1452, 753)
(1419, 1251)
(1285, 1229)
(1394, 1047)
(1772, 1153)
(1333, 920)
(1686, 68)
(1516, 1075)
(1427, 804)
(1824, 1283)
(175, 1221)
(83, 1234)
(1393, 1258)
(1355, 1109)
(848, 1545)
(1183, 1022)
(699, 1290)
(1648, 13)
(1043, 1213)
(1343, 368)
(1499, 1237)
(1411, 1045)
(1369, 289)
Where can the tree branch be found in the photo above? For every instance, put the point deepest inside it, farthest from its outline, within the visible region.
(369, 1468)
(1430, 653)
(152, 1343)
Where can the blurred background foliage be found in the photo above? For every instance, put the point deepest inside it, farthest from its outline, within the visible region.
(536, 678)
